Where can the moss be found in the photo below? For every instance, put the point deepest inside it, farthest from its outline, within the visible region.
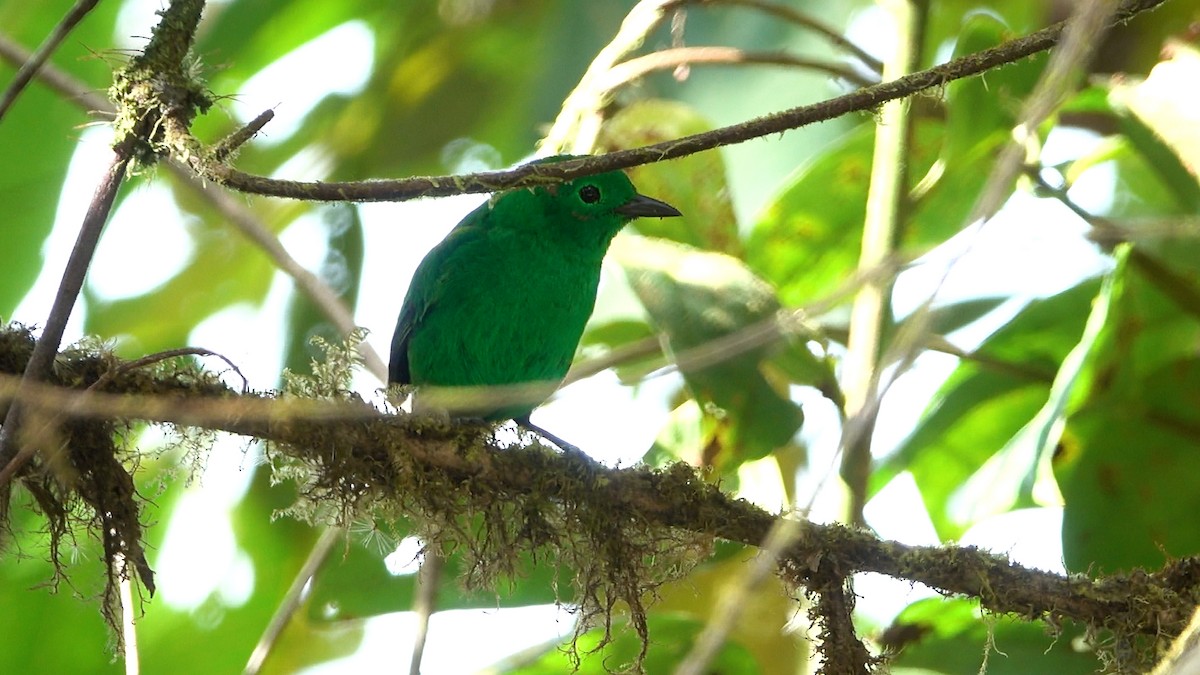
(159, 92)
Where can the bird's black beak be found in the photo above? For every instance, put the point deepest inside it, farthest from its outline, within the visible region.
(642, 206)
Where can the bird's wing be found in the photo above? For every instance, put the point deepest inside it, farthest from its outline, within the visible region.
(425, 287)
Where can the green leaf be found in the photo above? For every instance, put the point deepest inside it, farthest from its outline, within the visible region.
(38, 135)
(694, 184)
(341, 270)
(986, 401)
(1162, 127)
(672, 637)
(1127, 458)
(696, 299)
(358, 585)
(948, 636)
(226, 269)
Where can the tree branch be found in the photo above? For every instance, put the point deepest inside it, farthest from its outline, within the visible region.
(540, 174)
(668, 59)
(360, 449)
(32, 63)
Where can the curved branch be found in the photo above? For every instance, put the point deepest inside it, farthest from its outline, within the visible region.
(667, 59)
(369, 447)
(540, 174)
(792, 15)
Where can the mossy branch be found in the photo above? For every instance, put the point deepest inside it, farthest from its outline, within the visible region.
(360, 460)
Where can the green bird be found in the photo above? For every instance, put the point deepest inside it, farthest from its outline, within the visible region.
(495, 311)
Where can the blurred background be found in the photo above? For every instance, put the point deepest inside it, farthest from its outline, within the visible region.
(1055, 353)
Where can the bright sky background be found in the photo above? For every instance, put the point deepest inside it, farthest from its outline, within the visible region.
(1040, 234)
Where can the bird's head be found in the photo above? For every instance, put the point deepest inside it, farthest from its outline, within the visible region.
(593, 209)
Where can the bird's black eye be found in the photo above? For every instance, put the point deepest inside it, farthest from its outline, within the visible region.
(590, 194)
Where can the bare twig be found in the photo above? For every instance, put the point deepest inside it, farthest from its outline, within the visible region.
(793, 15)
(577, 126)
(293, 598)
(425, 604)
(235, 140)
(57, 80)
(541, 174)
(31, 64)
(668, 59)
(158, 357)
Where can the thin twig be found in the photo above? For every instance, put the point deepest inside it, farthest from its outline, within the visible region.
(799, 18)
(158, 357)
(668, 59)
(575, 128)
(293, 598)
(528, 175)
(57, 80)
(31, 65)
(235, 140)
(425, 604)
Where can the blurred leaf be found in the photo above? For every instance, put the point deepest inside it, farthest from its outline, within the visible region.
(1127, 453)
(765, 609)
(440, 81)
(807, 240)
(1164, 127)
(1139, 189)
(947, 636)
(226, 269)
(986, 401)
(357, 585)
(945, 319)
(38, 135)
(1020, 17)
(341, 271)
(40, 609)
(695, 298)
(981, 111)
(240, 38)
(222, 632)
(601, 339)
(673, 637)
(686, 436)
(694, 184)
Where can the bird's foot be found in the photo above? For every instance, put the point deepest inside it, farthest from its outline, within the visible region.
(567, 448)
